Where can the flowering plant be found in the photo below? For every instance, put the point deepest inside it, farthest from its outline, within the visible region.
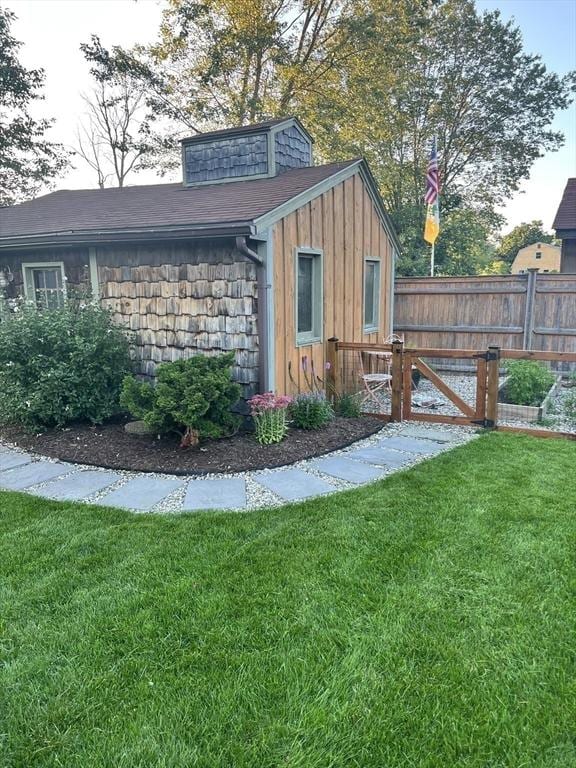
(314, 382)
(269, 413)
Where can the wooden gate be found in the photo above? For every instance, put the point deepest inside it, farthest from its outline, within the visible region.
(403, 361)
(483, 413)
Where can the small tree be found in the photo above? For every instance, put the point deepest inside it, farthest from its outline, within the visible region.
(27, 160)
(112, 138)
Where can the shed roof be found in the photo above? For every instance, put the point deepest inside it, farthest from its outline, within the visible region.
(94, 214)
(566, 213)
(242, 130)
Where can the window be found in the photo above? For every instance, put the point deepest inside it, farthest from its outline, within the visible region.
(371, 294)
(308, 296)
(538, 254)
(44, 284)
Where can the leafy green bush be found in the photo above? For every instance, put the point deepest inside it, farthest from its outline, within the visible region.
(570, 407)
(349, 405)
(310, 411)
(528, 382)
(191, 397)
(61, 365)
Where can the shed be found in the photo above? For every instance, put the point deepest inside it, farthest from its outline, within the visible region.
(257, 250)
(565, 226)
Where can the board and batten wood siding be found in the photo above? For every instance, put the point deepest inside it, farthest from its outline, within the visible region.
(344, 224)
(182, 299)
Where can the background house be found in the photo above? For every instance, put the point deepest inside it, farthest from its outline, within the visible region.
(256, 251)
(565, 226)
(544, 257)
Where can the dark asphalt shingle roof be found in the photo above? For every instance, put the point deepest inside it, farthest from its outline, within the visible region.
(159, 205)
(566, 214)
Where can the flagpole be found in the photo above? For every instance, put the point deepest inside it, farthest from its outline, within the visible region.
(432, 261)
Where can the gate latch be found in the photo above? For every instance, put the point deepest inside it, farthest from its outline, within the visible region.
(486, 356)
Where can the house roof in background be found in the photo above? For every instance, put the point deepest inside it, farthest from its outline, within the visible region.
(244, 130)
(566, 213)
(94, 214)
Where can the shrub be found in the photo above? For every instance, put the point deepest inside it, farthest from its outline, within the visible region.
(528, 382)
(191, 397)
(311, 411)
(269, 413)
(570, 407)
(61, 365)
(349, 405)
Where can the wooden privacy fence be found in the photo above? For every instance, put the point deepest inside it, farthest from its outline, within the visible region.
(533, 311)
(401, 362)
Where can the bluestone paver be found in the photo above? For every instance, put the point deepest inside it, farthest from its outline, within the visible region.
(380, 456)
(427, 434)
(347, 469)
(410, 445)
(293, 484)
(141, 492)
(78, 486)
(216, 493)
(11, 459)
(31, 474)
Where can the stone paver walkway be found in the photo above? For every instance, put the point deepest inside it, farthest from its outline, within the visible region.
(370, 460)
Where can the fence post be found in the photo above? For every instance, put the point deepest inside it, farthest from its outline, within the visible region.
(397, 359)
(332, 380)
(406, 386)
(529, 310)
(493, 366)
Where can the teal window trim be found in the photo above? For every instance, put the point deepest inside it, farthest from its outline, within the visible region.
(315, 335)
(28, 270)
(372, 324)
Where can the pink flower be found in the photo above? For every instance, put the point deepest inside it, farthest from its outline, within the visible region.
(268, 402)
(328, 366)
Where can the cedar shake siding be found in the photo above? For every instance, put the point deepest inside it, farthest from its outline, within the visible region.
(292, 149)
(225, 159)
(263, 150)
(184, 299)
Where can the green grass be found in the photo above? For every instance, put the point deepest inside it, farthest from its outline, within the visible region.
(428, 620)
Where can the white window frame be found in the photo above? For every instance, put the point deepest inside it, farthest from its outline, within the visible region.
(374, 326)
(28, 269)
(316, 335)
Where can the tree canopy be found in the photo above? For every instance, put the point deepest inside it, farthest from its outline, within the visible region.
(377, 78)
(27, 159)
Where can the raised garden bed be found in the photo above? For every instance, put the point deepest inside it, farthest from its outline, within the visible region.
(111, 447)
(530, 413)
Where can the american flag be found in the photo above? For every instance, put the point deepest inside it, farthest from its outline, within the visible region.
(432, 179)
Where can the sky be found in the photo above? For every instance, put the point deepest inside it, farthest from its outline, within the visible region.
(52, 30)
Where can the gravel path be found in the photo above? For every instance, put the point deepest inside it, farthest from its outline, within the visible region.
(394, 448)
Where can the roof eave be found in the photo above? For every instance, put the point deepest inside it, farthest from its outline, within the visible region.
(92, 237)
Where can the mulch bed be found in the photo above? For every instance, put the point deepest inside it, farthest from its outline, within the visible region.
(111, 447)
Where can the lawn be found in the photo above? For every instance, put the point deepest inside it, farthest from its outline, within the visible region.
(426, 621)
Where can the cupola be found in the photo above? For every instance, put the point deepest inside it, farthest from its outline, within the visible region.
(248, 152)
